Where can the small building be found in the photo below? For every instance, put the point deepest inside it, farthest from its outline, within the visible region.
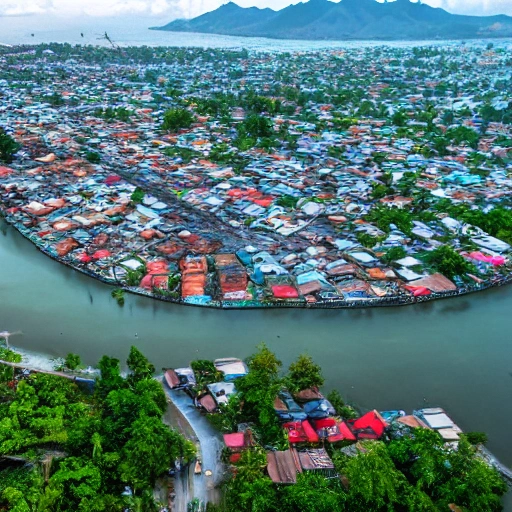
(369, 426)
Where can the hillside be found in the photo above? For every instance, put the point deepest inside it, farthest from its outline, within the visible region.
(349, 19)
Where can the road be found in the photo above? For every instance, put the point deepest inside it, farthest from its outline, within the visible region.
(183, 415)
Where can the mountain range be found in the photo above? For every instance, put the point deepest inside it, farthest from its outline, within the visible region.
(348, 19)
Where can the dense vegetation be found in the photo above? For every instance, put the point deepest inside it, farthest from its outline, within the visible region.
(72, 450)
(8, 147)
(411, 473)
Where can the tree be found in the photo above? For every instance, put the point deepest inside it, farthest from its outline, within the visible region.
(463, 134)
(449, 262)
(250, 490)
(7, 372)
(341, 408)
(257, 392)
(256, 126)
(8, 147)
(400, 118)
(313, 493)
(151, 451)
(304, 373)
(79, 482)
(177, 119)
(110, 376)
(93, 157)
(72, 361)
(265, 363)
(374, 482)
(139, 366)
(393, 254)
(384, 217)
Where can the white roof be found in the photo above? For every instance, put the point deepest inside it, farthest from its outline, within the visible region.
(409, 261)
(438, 421)
(231, 366)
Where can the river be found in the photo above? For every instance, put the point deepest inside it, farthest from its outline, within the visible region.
(455, 353)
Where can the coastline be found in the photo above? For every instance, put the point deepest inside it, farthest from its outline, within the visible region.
(285, 304)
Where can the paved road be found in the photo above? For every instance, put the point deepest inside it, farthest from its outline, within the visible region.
(190, 486)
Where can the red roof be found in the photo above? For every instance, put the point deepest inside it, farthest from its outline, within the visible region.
(346, 432)
(325, 422)
(301, 432)
(369, 426)
(333, 430)
(236, 440)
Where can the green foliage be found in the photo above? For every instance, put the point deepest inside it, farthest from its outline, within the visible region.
(445, 475)
(118, 295)
(304, 373)
(400, 118)
(342, 409)
(379, 191)
(186, 154)
(476, 437)
(93, 157)
(140, 368)
(257, 392)
(72, 361)
(255, 126)
(449, 262)
(463, 134)
(8, 147)
(394, 254)
(114, 114)
(250, 491)
(6, 372)
(287, 201)
(205, 372)
(150, 451)
(384, 216)
(177, 119)
(112, 439)
(313, 493)
(265, 363)
(367, 240)
(137, 196)
(374, 482)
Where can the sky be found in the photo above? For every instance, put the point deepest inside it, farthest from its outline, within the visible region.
(166, 10)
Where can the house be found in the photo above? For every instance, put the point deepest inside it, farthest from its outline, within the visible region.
(369, 426)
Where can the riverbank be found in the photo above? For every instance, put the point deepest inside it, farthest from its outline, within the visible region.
(405, 300)
(262, 199)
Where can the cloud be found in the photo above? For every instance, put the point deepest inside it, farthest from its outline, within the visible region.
(24, 7)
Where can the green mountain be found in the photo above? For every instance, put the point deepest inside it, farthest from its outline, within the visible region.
(348, 19)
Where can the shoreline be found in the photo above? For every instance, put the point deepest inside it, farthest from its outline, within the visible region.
(285, 304)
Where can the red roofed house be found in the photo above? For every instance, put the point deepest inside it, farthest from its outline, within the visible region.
(301, 432)
(237, 443)
(333, 431)
(369, 426)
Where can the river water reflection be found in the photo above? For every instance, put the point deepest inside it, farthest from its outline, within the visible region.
(455, 353)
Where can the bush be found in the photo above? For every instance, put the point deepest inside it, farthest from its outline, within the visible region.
(177, 119)
(476, 437)
(8, 147)
(393, 254)
(72, 361)
(93, 157)
(304, 373)
(449, 262)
